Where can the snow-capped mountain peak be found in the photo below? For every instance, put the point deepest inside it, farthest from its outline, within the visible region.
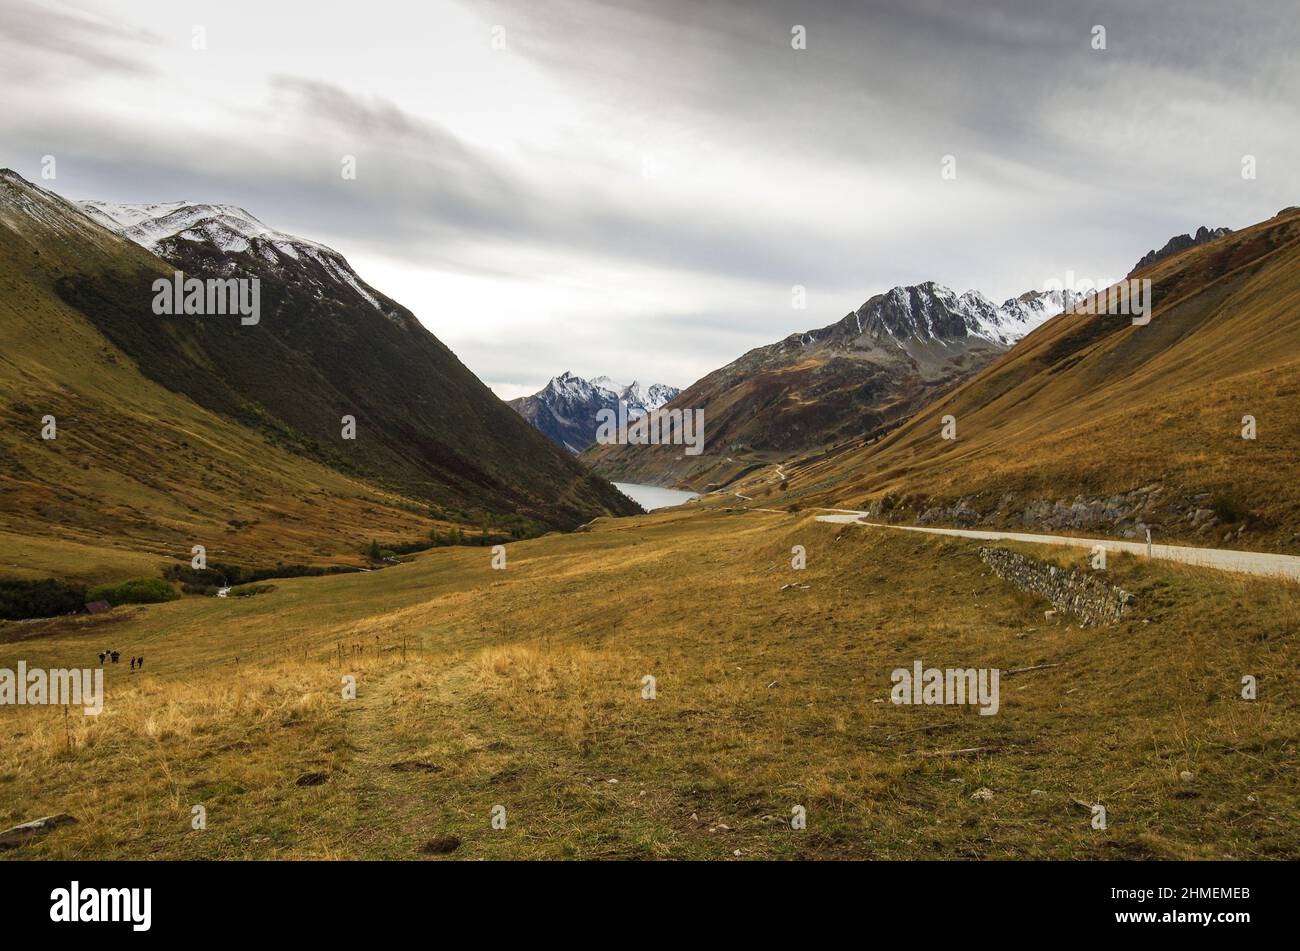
(632, 394)
(658, 394)
(931, 312)
(230, 227)
(172, 229)
(565, 409)
(1020, 315)
(638, 400)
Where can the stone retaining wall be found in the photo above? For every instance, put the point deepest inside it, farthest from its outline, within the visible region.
(1085, 596)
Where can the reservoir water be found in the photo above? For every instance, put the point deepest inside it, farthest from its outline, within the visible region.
(651, 497)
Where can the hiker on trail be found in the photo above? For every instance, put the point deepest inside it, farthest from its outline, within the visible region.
(139, 661)
(133, 663)
(115, 655)
(102, 655)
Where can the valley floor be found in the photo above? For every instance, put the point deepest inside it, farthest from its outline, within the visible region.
(523, 688)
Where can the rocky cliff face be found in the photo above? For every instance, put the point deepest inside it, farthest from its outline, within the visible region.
(1178, 243)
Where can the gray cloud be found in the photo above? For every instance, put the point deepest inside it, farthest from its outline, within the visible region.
(42, 40)
(776, 166)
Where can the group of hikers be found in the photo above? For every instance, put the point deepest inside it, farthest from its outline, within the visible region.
(137, 663)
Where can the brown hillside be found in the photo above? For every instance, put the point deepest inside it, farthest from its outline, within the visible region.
(1094, 424)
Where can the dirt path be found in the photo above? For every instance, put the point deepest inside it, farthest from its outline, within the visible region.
(388, 810)
(433, 759)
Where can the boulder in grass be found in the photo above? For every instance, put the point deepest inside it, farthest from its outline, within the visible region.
(22, 834)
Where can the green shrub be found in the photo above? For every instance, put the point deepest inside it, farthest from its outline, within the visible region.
(208, 590)
(410, 548)
(1227, 510)
(133, 591)
(20, 600)
(248, 591)
(220, 575)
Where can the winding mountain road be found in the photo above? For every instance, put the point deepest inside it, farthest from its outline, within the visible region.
(1245, 562)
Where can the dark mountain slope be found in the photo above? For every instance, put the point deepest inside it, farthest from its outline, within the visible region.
(328, 345)
(136, 474)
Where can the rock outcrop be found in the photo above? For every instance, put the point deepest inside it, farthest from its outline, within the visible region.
(1180, 242)
(1173, 511)
(22, 834)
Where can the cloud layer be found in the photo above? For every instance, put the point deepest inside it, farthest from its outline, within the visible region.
(634, 188)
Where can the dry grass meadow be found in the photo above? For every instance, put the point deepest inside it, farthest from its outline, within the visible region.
(523, 688)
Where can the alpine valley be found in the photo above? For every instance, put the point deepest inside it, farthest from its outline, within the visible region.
(926, 574)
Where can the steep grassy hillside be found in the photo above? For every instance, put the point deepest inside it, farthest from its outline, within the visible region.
(1093, 424)
(523, 688)
(139, 471)
(329, 345)
(137, 474)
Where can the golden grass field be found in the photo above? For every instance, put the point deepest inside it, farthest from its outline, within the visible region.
(523, 688)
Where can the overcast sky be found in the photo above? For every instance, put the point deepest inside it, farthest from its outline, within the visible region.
(633, 188)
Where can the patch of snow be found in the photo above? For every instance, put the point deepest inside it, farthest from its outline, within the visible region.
(230, 229)
(933, 313)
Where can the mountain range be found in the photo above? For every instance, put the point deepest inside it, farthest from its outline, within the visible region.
(853, 379)
(565, 409)
(178, 429)
(1094, 424)
(173, 429)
